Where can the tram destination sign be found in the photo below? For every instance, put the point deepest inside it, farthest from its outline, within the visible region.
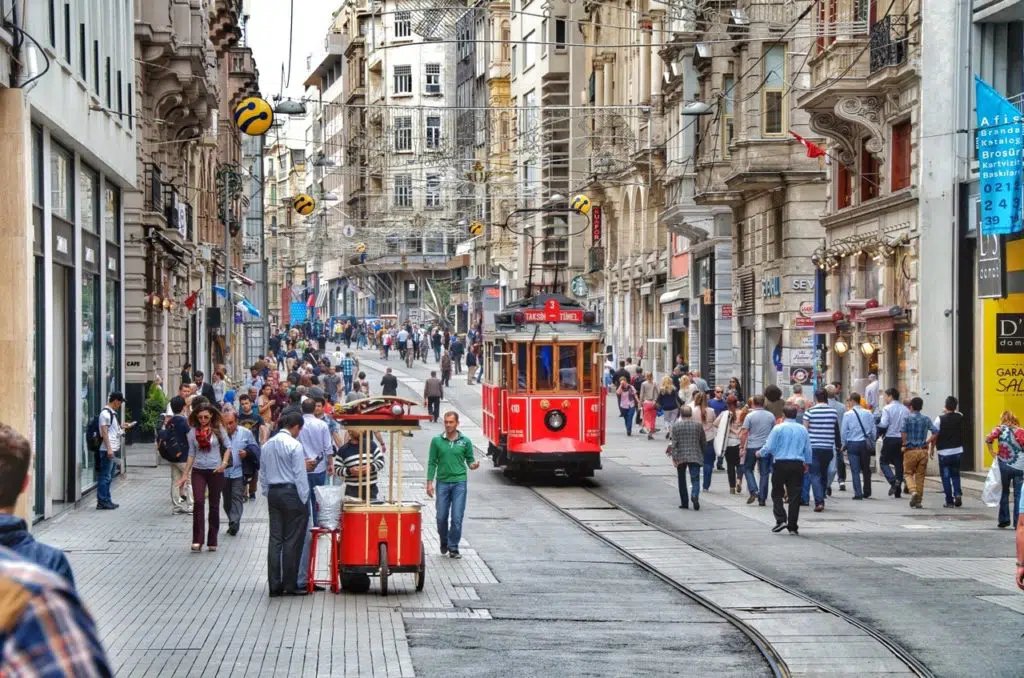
(543, 315)
(553, 313)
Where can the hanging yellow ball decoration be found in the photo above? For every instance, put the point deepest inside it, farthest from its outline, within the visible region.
(304, 204)
(581, 204)
(476, 228)
(361, 247)
(254, 116)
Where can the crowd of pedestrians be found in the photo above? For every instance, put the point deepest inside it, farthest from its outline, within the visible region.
(793, 449)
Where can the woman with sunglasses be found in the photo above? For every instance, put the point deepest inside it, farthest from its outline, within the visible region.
(208, 456)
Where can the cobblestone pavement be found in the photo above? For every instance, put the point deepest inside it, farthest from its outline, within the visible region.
(937, 581)
(532, 596)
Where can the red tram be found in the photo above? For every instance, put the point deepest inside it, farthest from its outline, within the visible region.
(543, 392)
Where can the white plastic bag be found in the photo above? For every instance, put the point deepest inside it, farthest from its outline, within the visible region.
(993, 486)
(329, 498)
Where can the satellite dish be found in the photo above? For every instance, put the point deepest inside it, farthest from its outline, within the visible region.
(348, 231)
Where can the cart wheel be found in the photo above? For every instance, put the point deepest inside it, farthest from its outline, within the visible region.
(382, 552)
(421, 572)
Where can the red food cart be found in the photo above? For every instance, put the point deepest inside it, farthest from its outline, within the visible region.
(384, 536)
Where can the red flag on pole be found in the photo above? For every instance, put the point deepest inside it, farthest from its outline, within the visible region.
(813, 149)
(190, 301)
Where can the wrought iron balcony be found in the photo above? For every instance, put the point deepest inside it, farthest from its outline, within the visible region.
(595, 259)
(888, 42)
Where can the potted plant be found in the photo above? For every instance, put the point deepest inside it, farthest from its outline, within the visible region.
(152, 413)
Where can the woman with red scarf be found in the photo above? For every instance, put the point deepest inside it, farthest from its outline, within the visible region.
(208, 456)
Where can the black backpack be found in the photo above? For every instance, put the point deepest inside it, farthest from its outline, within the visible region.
(172, 447)
(93, 437)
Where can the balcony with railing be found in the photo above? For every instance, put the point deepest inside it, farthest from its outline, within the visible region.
(888, 43)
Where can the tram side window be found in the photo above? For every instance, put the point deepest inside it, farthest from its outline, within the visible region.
(522, 362)
(543, 368)
(588, 368)
(568, 359)
(488, 379)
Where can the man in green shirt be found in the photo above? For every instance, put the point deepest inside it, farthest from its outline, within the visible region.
(450, 454)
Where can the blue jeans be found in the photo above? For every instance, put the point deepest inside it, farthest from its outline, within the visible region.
(347, 378)
(764, 467)
(1015, 477)
(694, 471)
(821, 459)
(107, 467)
(315, 480)
(629, 414)
(450, 497)
(860, 465)
(805, 489)
(709, 464)
(949, 469)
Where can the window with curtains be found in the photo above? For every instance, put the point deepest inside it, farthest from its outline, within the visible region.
(403, 133)
(403, 80)
(773, 66)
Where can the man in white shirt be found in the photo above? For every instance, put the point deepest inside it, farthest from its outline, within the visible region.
(111, 434)
(318, 447)
(893, 416)
(871, 392)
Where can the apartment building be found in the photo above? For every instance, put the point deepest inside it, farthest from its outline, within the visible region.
(411, 223)
(864, 99)
(71, 126)
(757, 199)
(550, 150)
(325, 147)
(284, 165)
(626, 161)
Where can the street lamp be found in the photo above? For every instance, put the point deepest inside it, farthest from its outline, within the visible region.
(290, 107)
(696, 108)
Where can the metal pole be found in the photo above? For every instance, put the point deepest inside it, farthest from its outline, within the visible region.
(229, 319)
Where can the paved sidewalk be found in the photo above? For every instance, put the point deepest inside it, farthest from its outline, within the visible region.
(164, 611)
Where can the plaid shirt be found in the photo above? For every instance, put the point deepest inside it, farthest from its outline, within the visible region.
(917, 426)
(688, 442)
(49, 631)
(347, 366)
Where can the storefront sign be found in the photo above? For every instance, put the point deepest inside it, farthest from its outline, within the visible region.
(726, 311)
(1000, 142)
(595, 224)
(771, 287)
(1009, 333)
(579, 286)
(803, 284)
(1002, 360)
(887, 324)
(806, 309)
(801, 356)
(802, 323)
(991, 266)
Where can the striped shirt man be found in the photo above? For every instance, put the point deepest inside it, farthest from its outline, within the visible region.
(353, 465)
(822, 424)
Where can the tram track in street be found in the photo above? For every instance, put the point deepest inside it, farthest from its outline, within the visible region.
(779, 626)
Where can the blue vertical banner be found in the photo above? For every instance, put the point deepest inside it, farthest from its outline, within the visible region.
(1000, 160)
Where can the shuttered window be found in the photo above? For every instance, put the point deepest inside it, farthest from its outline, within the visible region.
(900, 155)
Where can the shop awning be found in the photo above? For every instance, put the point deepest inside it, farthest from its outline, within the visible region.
(321, 295)
(825, 321)
(881, 319)
(674, 295)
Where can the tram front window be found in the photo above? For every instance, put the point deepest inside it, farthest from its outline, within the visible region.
(567, 362)
(544, 377)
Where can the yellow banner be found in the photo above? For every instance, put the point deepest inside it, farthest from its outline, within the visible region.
(1002, 342)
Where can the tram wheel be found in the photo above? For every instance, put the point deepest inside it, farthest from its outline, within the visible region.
(382, 554)
(421, 573)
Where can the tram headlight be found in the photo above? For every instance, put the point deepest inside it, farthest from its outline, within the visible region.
(555, 420)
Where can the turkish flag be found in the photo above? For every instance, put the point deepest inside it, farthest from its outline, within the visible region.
(813, 149)
(190, 301)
